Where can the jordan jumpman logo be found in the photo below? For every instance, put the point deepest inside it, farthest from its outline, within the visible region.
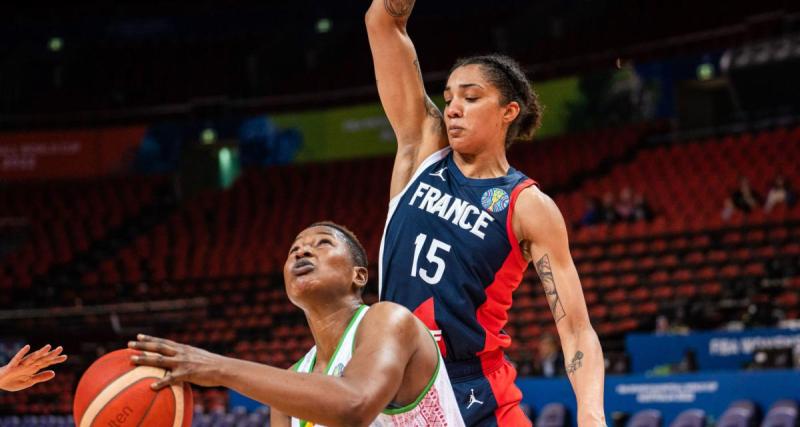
(439, 173)
(472, 398)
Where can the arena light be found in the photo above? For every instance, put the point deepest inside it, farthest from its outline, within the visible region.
(55, 44)
(705, 71)
(324, 25)
(208, 136)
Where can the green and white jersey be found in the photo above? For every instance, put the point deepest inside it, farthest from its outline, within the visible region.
(435, 406)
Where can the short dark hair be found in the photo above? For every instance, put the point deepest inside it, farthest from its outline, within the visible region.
(508, 77)
(357, 252)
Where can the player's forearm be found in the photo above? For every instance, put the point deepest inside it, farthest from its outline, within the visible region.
(583, 358)
(321, 399)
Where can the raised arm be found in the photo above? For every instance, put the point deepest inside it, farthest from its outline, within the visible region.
(543, 234)
(417, 122)
(370, 382)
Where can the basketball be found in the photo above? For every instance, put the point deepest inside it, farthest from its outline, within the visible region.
(115, 393)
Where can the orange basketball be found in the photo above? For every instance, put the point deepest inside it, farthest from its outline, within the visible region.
(115, 393)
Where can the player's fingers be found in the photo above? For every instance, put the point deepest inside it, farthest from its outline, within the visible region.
(43, 376)
(155, 347)
(148, 338)
(36, 355)
(54, 352)
(167, 381)
(20, 355)
(55, 360)
(157, 360)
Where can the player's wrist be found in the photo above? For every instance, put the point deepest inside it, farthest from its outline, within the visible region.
(225, 371)
(596, 419)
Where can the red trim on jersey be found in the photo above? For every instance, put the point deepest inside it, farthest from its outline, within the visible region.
(512, 238)
(507, 396)
(492, 315)
(426, 312)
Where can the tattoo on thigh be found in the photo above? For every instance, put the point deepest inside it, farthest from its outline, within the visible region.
(398, 8)
(575, 363)
(549, 285)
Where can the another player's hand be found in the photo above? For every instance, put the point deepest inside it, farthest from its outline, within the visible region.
(184, 363)
(23, 371)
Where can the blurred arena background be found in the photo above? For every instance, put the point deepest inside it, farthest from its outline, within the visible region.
(156, 159)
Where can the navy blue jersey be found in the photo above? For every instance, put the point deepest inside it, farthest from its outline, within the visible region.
(449, 255)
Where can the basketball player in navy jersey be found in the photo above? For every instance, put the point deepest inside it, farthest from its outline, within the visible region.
(463, 225)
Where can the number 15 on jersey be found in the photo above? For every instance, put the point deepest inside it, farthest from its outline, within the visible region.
(431, 256)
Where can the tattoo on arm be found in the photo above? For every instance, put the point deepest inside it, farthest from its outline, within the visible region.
(549, 285)
(398, 8)
(575, 363)
(430, 108)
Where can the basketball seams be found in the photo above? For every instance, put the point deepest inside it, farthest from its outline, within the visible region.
(146, 411)
(109, 401)
(179, 403)
(100, 368)
(112, 389)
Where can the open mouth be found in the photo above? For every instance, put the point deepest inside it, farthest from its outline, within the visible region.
(302, 266)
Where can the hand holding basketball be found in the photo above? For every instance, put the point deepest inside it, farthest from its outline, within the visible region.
(184, 363)
(23, 371)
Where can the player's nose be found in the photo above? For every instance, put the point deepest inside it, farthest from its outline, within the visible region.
(453, 111)
(305, 250)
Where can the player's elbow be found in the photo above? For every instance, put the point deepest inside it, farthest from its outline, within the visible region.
(377, 19)
(575, 325)
(355, 411)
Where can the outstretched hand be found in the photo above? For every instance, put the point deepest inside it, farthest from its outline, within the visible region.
(23, 371)
(184, 363)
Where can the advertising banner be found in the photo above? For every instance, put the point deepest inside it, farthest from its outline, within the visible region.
(68, 153)
(364, 131)
(671, 395)
(716, 350)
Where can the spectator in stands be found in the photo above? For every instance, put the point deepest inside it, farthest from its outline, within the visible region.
(780, 192)
(745, 198)
(593, 213)
(688, 363)
(23, 371)
(641, 209)
(551, 360)
(662, 324)
(608, 210)
(728, 210)
(625, 208)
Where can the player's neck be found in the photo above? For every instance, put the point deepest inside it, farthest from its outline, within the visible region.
(327, 325)
(486, 164)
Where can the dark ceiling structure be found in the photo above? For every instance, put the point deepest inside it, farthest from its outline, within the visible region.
(96, 62)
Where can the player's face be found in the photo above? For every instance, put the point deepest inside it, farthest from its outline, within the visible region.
(319, 265)
(473, 112)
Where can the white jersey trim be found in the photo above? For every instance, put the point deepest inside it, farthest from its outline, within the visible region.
(433, 158)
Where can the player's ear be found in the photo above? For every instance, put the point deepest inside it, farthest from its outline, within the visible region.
(360, 276)
(511, 112)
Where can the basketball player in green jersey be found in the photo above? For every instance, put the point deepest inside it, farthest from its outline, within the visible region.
(375, 366)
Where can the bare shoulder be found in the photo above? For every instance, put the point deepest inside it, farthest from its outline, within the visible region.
(389, 312)
(389, 321)
(535, 207)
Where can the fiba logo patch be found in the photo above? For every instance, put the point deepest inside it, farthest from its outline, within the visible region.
(495, 200)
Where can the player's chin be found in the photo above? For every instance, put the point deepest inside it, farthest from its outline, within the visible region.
(300, 286)
(463, 144)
